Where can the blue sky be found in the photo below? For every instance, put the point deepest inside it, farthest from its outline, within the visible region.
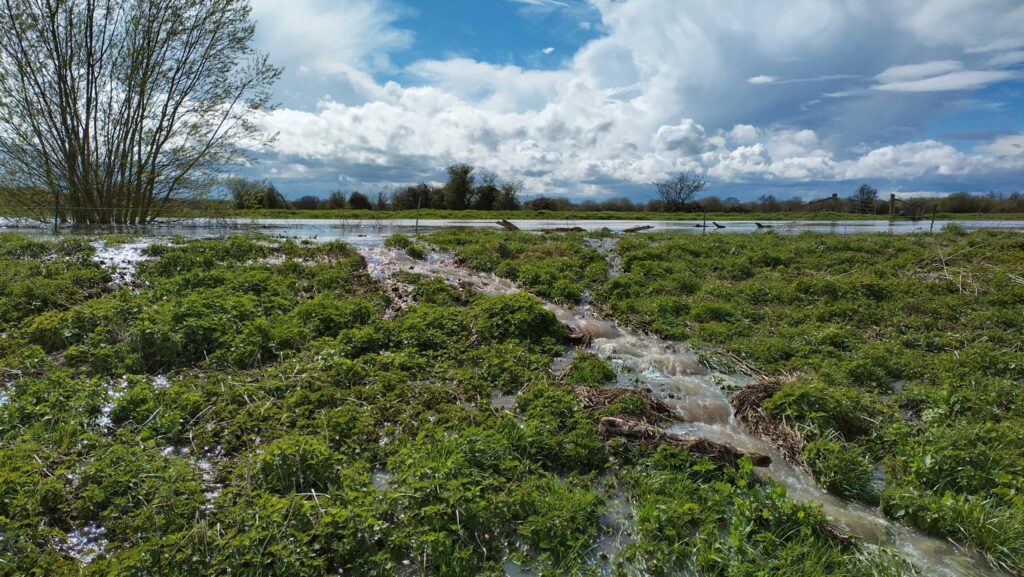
(598, 98)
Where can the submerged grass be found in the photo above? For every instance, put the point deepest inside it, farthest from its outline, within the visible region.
(246, 406)
(908, 352)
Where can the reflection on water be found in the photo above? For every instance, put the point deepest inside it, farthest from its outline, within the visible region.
(370, 232)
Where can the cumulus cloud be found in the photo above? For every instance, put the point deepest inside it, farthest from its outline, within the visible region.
(667, 86)
(1010, 147)
(329, 37)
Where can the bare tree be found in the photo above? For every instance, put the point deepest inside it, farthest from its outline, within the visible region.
(117, 108)
(678, 189)
(380, 203)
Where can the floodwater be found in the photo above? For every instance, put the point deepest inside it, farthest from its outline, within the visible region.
(672, 373)
(368, 233)
(669, 370)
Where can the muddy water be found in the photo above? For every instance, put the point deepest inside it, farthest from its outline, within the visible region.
(673, 373)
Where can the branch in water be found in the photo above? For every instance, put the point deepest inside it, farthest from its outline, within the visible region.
(717, 452)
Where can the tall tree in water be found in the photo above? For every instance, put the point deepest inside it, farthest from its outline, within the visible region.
(117, 108)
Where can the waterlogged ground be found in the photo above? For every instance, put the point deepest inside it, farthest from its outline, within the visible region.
(902, 354)
(262, 407)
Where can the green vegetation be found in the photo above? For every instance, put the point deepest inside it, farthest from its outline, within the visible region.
(559, 268)
(246, 406)
(906, 351)
(589, 370)
(407, 244)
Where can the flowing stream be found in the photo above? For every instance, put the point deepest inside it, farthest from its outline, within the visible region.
(674, 375)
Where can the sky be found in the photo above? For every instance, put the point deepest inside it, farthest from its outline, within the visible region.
(594, 99)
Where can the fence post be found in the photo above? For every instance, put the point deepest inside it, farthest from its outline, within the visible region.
(835, 202)
(892, 205)
(418, 200)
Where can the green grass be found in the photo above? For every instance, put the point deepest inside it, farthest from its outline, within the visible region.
(907, 348)
(246, 406)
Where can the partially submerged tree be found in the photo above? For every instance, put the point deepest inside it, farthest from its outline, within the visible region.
(678, 189)
(117, 108)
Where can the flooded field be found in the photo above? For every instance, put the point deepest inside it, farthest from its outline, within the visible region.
(414, 384)
(372, 233)
(699, 397)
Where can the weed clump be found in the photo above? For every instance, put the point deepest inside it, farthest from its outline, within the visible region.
(408, 244)
(517, 317)
(588, 369)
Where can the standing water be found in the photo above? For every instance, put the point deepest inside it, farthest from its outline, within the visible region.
(674, 375)
(372, 232)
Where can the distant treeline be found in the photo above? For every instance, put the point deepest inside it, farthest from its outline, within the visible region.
(466, 190)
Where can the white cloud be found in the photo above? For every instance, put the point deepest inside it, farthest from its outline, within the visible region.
(909, 72)
(330, 37)
(1003, 59)
(906, 161)
(686, 138)
(662, 89)
(542, 3)
(548, 50)
(1007, 147)
(963, 80)
(975, 25)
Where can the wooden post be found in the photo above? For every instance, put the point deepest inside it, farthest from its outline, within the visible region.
(892, 205)
(934, 210)
(835, 202)
(705, 229)
(418, 200)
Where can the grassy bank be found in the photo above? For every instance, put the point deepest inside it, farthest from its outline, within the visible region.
(251, 407)
(905, 351)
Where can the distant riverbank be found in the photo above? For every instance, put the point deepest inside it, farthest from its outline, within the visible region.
(589, 215)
